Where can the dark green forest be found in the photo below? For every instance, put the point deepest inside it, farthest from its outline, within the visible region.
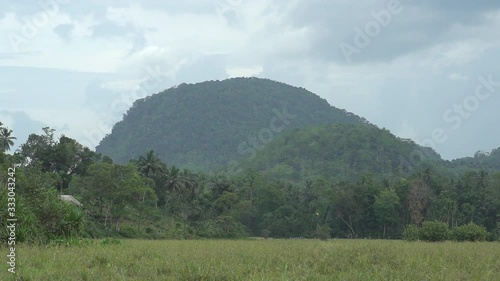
(327, 173)
(206, 125)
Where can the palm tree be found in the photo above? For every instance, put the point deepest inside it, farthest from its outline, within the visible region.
(150, 165)
(6, 140)
(173, 179)
(220, 183)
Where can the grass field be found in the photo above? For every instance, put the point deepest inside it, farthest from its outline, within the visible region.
(220, 260)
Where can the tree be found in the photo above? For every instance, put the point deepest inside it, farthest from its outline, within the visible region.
(112, 191)
(347, 207)
(150, 165)
(386, 208)
(418, 199)
(220, 183)
(173, 180)
(6, 138)
(64, 158)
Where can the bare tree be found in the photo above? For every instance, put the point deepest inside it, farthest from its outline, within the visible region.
(418, 199)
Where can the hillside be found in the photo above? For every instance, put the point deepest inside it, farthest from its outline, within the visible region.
(206, 125)
(487, 161)
(339, 152)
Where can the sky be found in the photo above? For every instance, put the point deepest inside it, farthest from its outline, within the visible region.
(424, 69)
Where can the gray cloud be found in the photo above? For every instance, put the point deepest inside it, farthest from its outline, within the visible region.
(425, 61)
(420, 25)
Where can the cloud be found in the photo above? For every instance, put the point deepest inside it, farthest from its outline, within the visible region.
(244, 71)
(80, 67)
(419, 26)
(21, 124)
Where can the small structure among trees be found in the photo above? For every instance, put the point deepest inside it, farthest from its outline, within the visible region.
(70, 199)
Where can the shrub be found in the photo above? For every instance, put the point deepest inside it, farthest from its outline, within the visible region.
(110, 241)
(411, 233)
(495, 236)
(265, 233)
(433, 231)
(323, 232)
(470, 232)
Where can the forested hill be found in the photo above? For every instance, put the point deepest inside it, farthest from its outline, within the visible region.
(340, 152)
(487, 161)
(206, 125)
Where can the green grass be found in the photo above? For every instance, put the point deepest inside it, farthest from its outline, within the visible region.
(221, 260)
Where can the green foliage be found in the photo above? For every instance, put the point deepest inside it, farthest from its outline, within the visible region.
(411, 233)
(205, 125)
(341, 180)
(6, 139)
(44, 218)
(73, 242)
(496, 232)
(335, 152)
(434, 231)
(266, 233)
(110, 241)
(323, 232)
(386, 208)
(469, 232)
(486, 161)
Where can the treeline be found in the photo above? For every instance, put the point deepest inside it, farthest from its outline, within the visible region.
(148, 198)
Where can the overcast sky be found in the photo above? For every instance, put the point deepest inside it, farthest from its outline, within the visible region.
(424, 69)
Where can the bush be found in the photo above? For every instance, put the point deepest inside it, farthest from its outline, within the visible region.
(323, 232)
(265, 233)
(433, 231)
(110, 241)
(411, 233)
(495, 236)
(470, 232)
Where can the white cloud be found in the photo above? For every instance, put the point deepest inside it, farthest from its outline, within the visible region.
(244, 71)
(122, 85)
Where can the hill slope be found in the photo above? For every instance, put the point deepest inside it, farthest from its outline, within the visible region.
(487, 161)
(341, 152)
(206, 125)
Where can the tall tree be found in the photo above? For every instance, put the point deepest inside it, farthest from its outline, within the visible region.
(386, 208)
(418, 199)
(150, 165)
(6, 138)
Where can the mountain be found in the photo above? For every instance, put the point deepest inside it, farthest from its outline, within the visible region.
(339, 152)
(206, 125)
(487, 161)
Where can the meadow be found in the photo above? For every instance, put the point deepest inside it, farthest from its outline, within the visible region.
(219, 260)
